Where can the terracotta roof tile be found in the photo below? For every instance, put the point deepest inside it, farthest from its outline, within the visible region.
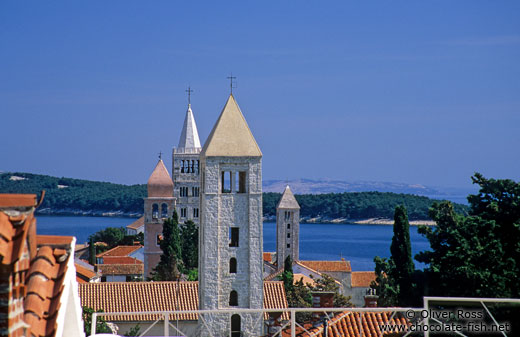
(14, 233)
(268, 256)
(121, 260)
(136, 224)
(120, 251)
(362, 278)
(54, 240)
(44, 282)
(158, 296)
(83, 274)
(324, 266)
(121, 269)
(346, 324)
(17, 200)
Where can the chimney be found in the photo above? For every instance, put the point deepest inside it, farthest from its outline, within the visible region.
(371, 298)
(321, 299)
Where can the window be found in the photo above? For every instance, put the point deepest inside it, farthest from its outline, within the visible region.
(233, 237)
(164, 211)
(288, 245)
(232, 265)
(226, 182)
(288, 235)
(197, 166)
(183, 191)
(155, 211)
(287, 215)
(242, 182)
(182, 166)
(192, 166)
(233, 298)
(195, 212)
(183, 212)
(195, 191)
(235, 326)
(288, 226)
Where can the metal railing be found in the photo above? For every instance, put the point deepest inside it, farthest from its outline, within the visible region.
(417, 318)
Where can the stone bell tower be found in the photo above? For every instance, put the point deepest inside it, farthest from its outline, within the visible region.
(230, 236)
(186, 171)
(287, 228)
(158, 206)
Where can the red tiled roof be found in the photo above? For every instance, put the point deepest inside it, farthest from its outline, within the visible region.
(54, 240)
(120, 251)
(120, 269)
(268, 256)
(325, 266)
(44, 283)
(14, 231)
(347, 324)
(83, 274)
(121, 260)
(17, 200)
(136, 224)
(274, 275)
(158, 296)
(362, 278)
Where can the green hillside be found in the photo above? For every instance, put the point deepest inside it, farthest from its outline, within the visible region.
(67, 195)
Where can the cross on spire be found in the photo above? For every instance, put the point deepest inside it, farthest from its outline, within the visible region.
(189, 91)
(160, 155)
(231, 78)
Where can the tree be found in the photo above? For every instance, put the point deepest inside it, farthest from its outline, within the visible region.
(287, 275)
(170, 264)
(476, 255)
(101, 325)
(401, 250)
(394, 277)
(190, 245)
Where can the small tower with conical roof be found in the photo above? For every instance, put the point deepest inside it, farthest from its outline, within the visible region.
(287, 228)
(185, 170)
(158, 206)
(230, 236)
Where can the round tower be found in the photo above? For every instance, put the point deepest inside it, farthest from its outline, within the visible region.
(158, 206)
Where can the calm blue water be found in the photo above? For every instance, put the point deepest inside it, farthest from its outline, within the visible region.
(357, 243)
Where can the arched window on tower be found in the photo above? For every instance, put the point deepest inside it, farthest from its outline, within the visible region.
(182, 166)
(155, 211)
(233, 298)
(235, 326)
(192, 167)
(232, 265)
(164, 210)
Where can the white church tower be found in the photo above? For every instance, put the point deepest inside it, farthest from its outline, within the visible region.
(230, 236)
(186, 170)
(287, 228)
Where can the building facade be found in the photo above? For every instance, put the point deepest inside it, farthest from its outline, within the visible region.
(230, 235)
(186, 171)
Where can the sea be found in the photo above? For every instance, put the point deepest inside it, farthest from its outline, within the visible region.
(318, 241)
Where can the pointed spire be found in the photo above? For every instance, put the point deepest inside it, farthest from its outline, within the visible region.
(189, 135)
(288, 200)
(231, 137)
(160, 183)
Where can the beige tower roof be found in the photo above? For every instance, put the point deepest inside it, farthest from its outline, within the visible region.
(231, 136)
(160, 183)
(288, 200)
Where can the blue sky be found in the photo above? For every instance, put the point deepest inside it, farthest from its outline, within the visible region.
(423, 92)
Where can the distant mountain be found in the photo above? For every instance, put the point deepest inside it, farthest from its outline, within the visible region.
(310, 186)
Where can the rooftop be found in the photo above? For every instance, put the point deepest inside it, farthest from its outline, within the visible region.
(168, 296)
(160, 183)
(136, 224)
(120, 251)
(288, 200)
(328, 266)
(362, 278)
(231, 136)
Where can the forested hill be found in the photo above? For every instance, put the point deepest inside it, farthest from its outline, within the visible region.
(75, 196)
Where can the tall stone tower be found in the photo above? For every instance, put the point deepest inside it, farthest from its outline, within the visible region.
(287, 228)
(186, 171)
(230, 236)
(157, 207)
